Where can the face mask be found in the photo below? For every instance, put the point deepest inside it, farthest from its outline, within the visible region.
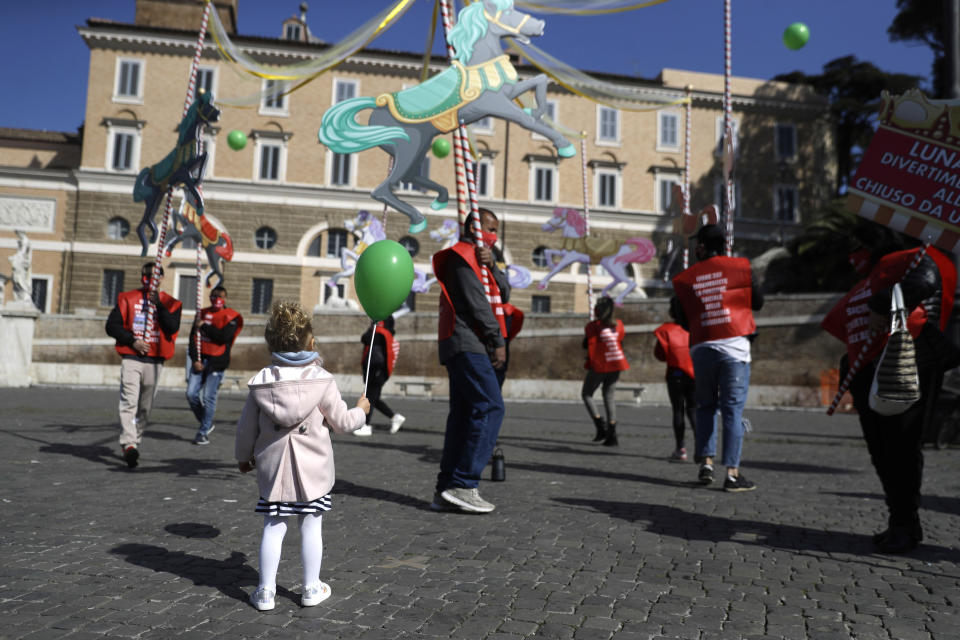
(218, 303)
(860, 260)
(489, 239)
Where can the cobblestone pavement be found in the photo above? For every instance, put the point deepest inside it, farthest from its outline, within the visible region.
(587, 542)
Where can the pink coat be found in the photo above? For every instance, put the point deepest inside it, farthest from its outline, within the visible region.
(285, 427)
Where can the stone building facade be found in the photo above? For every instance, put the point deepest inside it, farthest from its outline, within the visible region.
(286, 199)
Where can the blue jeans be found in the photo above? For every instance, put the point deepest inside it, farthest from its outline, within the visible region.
(473, 424)
(202, 391)
(722, 383)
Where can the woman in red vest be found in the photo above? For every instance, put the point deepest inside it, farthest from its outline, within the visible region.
(384, 357)
(603, 341)
(673, 347)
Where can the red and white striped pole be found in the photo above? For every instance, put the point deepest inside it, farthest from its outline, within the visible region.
(586, 218)
(168, 207)
(687, 110)
(727, 127)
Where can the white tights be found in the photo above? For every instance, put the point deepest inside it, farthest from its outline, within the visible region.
(311, 548)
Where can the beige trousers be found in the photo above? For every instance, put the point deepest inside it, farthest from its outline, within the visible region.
(138, 386)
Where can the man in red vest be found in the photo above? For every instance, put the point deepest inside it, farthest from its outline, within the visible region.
(717, 300)
(895, 442)
(143, 350)
(472, 346)
(219, 326)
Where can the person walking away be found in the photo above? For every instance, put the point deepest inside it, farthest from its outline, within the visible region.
(386, 348)
(717, 299)
(603, 340)
(143, 350)
(471, 345)
(284, 432)
(895, 442)
(219, 326)
(673, 347)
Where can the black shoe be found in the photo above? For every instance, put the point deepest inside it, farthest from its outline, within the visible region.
(898, 540)
(611, 439)
(878, 538)
(601, 426)
(706, 474)
(131, 456)
(915, 530)
(738, 484)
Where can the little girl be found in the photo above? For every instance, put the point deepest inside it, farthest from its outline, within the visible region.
(673, 348)
(603, 340)
(283, 432)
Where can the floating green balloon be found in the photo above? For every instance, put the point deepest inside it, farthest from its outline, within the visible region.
(441, 147)
(383, 277)
(796, 35)
(237, 139)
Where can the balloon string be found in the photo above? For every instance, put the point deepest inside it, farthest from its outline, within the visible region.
(373, 337)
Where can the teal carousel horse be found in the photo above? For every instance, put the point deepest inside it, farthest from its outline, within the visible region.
(184, 166)
(480, 82)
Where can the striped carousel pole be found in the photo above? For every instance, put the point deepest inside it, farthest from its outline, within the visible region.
(727, 127)
(168, 206)
(858, 361)
(687, 110)
(586, 218)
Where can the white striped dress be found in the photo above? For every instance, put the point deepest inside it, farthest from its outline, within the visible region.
(294, 508)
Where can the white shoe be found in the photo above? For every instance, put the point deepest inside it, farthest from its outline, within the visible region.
(395, 422)
(315, 594)
(365, 430)
(262, 599)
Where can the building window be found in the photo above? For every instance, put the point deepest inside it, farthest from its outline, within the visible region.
(118, 228)
(483, 177)
(665, 187)
(549, 116)
(328, 292)
(209, 148)
(785, 203)
(291, 31)
(668, 131)
(540, 304)
(129, 85)
(720, 198)
(314, 249)
(187, 292)
(424, 172)
(271, 158)
(340, 170)
(205, 79)
(735, 126)
(344, 90)
(112, 287)
(38, 292)
(124, 149)
(539, 257)
(542, 187)
(265, 238)
(411, 245)
(336, 242)
(274, 101)
(262, 295)
(483, 126)
(606, 189)
(608, 125)
(786, 142)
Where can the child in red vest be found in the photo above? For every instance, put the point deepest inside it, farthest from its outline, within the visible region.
(603, 341)
(673, 347)
(382, 360)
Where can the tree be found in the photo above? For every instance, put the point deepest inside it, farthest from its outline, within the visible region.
(924, 21)
(853, 88)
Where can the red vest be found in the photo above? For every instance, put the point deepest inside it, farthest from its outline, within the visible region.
(673, 346)
(514, 320)
(134, 313)
(604, 351)
(848, 319)
(715, 294)
(393, 347)
(219, 318)
(448, 315)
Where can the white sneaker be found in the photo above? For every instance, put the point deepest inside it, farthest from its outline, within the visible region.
(315, 594)
(467, 499)
(262, 599)
(365, 430)
(395, 422)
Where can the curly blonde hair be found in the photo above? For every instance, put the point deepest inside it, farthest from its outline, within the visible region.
(289, 328)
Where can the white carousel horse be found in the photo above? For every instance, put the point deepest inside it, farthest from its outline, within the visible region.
(578, 248)
(368, 230)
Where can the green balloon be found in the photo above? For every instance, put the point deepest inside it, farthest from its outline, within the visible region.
(237, 139)
(796, 35)
(383, 277)
(441, 147)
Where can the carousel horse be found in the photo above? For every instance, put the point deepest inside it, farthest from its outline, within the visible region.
(368, 230)
(577, 247)
(446, 234)
(206, 231)
(184, 166)
(480, 82)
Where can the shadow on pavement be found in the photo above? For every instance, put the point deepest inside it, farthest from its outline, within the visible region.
(192, 530)
(944, 504)
(797, 467)
(677, 523)
(359, 491)
(597, 473)
(97, 453)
